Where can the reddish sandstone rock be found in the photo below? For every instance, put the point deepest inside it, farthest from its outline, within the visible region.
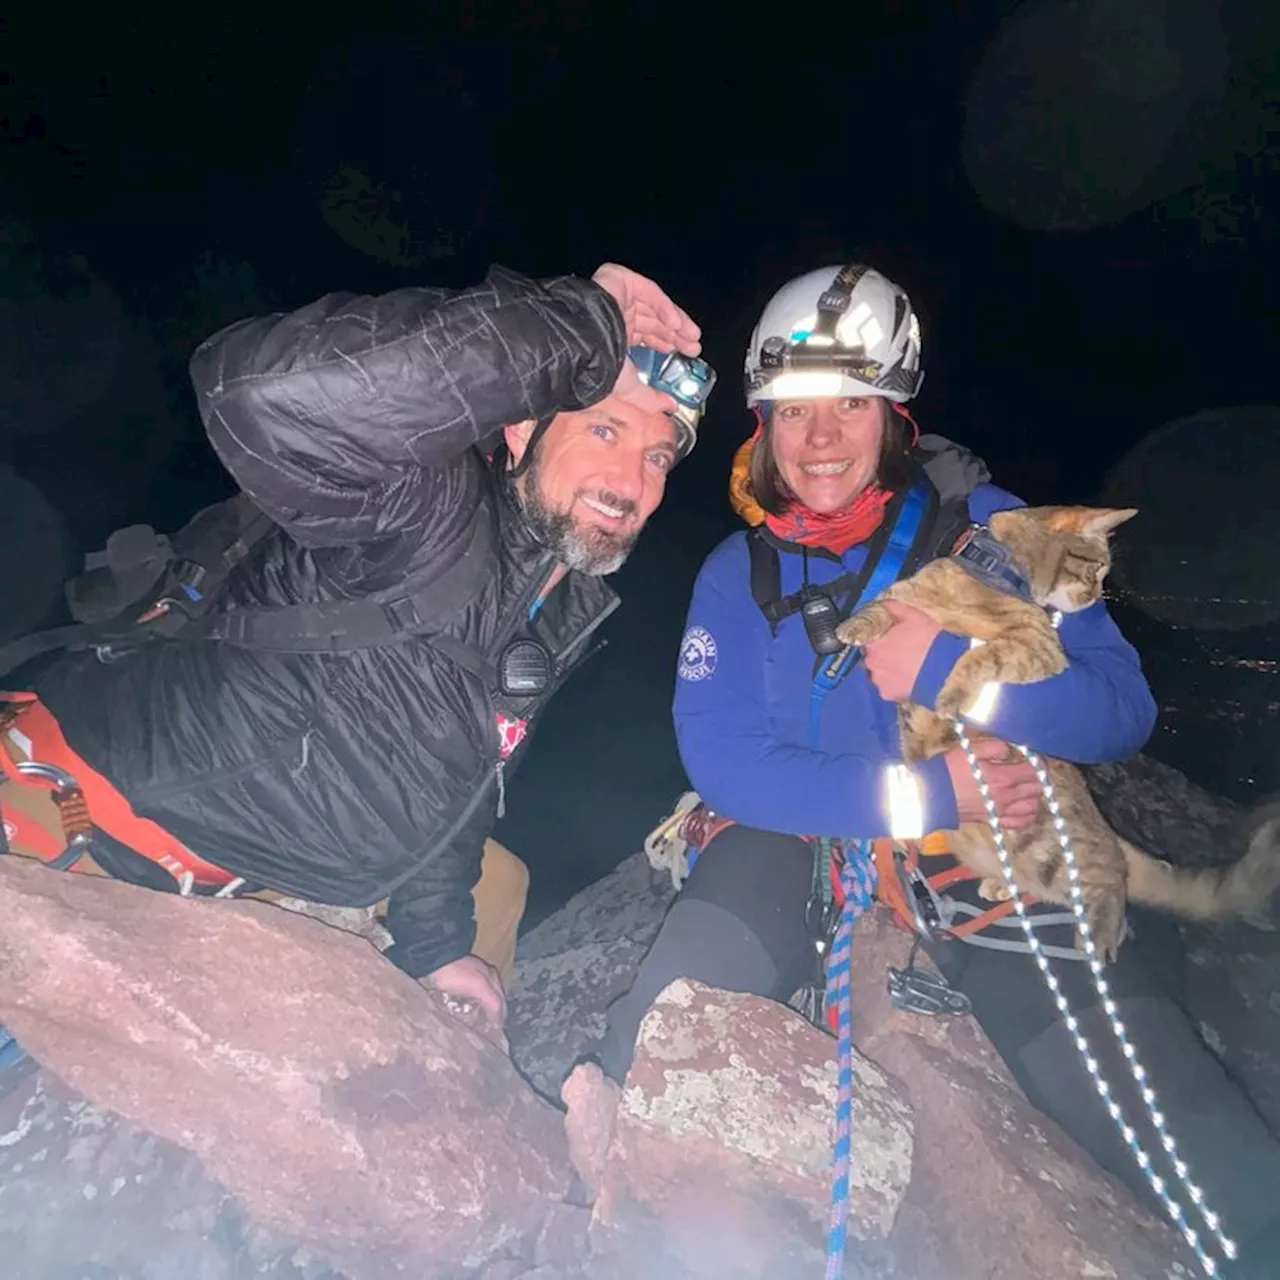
(997, 1192)
(85, 1194)
(335, 1096)
(988, 1167)
(721, 1158)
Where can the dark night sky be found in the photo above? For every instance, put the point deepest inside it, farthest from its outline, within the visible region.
(718, 156)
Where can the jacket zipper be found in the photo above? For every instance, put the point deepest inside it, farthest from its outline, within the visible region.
(587, 632)
(520, 609)
(578, 641)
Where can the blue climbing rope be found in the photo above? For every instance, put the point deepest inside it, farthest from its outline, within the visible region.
(11, 1052)
(858, 881)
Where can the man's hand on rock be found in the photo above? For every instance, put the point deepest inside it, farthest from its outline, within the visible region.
(475, 980)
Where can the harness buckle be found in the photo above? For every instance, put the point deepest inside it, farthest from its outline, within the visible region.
(113, 651)
(925, 917)
(915, 991)
(190, 576)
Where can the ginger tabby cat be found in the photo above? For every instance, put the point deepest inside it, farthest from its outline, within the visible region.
(1063, 554)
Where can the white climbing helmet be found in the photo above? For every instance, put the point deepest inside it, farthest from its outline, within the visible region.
(836, 331)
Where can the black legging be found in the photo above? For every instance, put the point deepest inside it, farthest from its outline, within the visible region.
(738, 924)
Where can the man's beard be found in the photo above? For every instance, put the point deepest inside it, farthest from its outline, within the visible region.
(587, 549)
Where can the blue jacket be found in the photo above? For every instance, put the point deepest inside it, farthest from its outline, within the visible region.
(743, 705)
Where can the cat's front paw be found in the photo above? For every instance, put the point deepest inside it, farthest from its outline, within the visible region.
(865, 626)
(994, 889)
(852, 632)
(953, 702)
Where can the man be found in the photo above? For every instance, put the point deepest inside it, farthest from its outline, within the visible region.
(472, 463)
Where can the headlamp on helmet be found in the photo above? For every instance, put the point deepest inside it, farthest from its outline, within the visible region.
(837, 331)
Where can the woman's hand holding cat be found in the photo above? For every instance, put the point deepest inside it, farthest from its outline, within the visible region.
(1010, 779)
(894, 660)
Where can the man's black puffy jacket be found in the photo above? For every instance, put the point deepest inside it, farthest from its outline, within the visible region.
(361, 425)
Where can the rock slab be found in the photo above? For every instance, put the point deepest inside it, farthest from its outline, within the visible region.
(338, 1099)
(998, 1191)
(84, 1194)
(986, 1165)
(721, 1158)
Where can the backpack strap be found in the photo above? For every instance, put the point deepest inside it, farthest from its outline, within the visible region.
(900, 543)
(341, 626)
(200, 558)
(141, 569)
(74, 636)
(951, 520)
(214, 542)
(766, 579)
(920, 501)
(909, 533)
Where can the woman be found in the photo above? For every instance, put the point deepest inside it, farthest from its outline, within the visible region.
(779, 746)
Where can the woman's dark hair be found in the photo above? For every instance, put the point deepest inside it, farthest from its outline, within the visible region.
(893, 470)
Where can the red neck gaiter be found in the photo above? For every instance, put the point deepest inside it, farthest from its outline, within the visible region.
(836, 531)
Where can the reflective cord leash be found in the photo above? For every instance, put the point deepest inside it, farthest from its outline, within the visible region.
(858, 880)
(1157, 1183)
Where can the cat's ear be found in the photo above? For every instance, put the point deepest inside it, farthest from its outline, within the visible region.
(1106, 520)
(1095, 521)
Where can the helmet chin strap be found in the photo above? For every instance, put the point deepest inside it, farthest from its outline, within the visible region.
(516, 470)
(508, 472)
(903, 412)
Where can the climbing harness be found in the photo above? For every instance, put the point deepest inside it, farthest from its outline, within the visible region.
(917, 902)
(921, 905)
(88, 802)
(858, 880)
(1136, 1069)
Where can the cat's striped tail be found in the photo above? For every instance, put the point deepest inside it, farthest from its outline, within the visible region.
(1245, 889)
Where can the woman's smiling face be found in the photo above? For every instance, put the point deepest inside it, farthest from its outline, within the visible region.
(827, 450)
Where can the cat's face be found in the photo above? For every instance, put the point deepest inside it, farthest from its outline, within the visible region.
(1065, 551)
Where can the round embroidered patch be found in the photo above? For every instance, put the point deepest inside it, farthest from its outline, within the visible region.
(697, 654)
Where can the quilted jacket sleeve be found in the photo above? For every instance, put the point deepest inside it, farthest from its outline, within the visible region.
(328, 415)
(432, 917)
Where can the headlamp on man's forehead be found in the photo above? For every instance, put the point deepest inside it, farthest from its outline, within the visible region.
(687, 378)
